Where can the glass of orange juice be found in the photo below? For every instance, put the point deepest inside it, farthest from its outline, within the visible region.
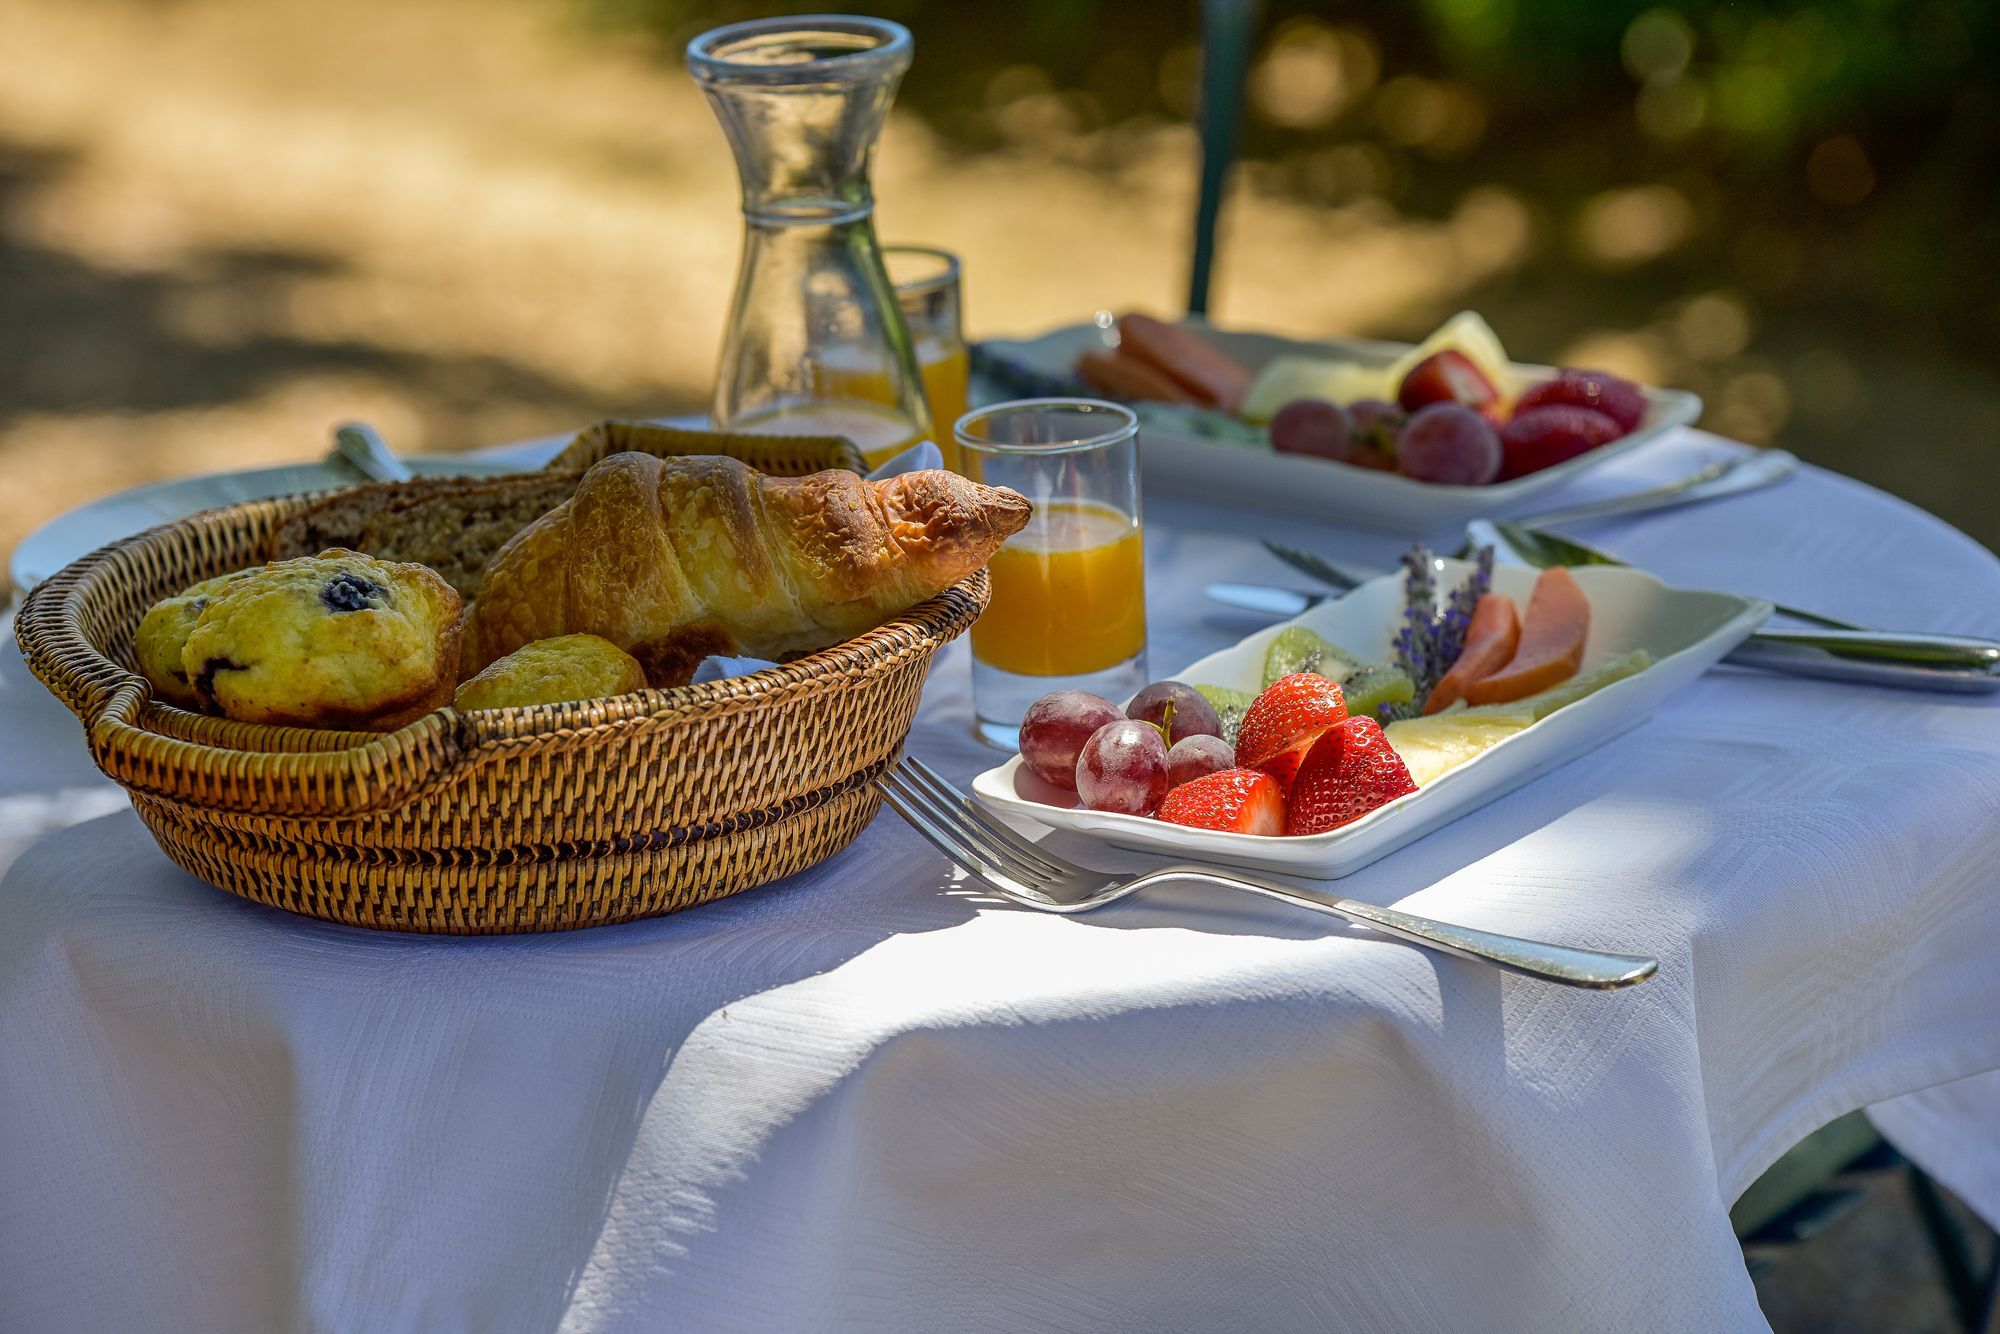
(1069, 590)
(926, 280)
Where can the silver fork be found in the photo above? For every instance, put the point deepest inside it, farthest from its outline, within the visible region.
(1018, 869)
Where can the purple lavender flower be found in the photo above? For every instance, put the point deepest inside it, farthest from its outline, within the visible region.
(1431, 638)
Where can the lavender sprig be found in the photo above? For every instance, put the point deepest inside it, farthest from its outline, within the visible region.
(1458, 609)
(1430, 638)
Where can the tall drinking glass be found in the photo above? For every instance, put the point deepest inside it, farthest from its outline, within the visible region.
(926, 281)
(1069, 590)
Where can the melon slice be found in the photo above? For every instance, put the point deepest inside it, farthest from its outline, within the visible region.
(1490, 640)
(1129, 378)
(1539, 706)
(1439, 742)
(1367, 686)
(1551, 646)
(1208, 373)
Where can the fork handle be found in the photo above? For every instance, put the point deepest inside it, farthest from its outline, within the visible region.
(1554, 963)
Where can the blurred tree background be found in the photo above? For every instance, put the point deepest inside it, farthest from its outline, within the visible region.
(226, 224)
(1790, 208)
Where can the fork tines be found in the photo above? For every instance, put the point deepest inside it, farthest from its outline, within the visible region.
(1317, 566)
(965, 833)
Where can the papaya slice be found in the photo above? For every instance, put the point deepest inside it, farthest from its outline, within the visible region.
(1490, 640)
(1551, 647)
(1212, 376)
(1131, 379)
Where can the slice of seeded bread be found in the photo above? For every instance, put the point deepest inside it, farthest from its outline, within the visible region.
(453, 525)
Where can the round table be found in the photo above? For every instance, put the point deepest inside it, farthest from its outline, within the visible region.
(874, 1097)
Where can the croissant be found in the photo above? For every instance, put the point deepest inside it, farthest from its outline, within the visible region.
(679, 558)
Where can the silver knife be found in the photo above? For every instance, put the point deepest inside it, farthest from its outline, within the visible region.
(1952, 663)
(1265, 598)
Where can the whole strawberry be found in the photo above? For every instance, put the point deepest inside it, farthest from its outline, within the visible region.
(1292, 711)
(1349, 772)
(1543, 437)
(1600, 391)
(1238, 801)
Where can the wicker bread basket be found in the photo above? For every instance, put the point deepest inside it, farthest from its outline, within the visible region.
(528, 819)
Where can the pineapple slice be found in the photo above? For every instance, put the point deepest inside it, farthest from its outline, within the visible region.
(1285, 379)
(1439, 742)
(1288, 379)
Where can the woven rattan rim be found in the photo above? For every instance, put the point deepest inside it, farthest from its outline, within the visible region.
(296, 771)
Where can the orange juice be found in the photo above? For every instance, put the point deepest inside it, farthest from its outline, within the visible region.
(877, 432)
(1069, 594)
(946, 370)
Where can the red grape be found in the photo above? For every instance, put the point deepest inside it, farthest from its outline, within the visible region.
(1313, 426)
(1196, 757)
(1543, 437)
(1447, 377)
(1123, 768)
(1376, 425)
(1618, 399)
(1193, 714)
(1450, 443)
(1055, 728)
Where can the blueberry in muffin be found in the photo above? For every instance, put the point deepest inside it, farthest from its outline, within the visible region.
(163, 634)
(334, 640)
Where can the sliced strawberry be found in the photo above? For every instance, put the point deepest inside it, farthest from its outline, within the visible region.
(1284, 766)
(1237, 801)
(1292, 712)
(1448, 377)
(1348, 773)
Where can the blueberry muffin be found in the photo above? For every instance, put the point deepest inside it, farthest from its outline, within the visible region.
(550, 671)
(334, 640)
(163, 634)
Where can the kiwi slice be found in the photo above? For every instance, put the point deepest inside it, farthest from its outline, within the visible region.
(1229, 706)
(1366, 685)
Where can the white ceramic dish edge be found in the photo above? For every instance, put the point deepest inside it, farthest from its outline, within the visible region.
(1383, 502)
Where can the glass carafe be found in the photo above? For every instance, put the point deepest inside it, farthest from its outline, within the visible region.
(816, 341)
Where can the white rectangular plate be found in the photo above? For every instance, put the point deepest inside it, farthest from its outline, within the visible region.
(1685, 631)
(1177, 459)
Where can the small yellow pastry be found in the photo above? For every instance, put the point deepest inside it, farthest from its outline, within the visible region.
(163, 634)
(551, 671)
(334, 640)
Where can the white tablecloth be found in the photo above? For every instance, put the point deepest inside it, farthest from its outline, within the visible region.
(871, 1098)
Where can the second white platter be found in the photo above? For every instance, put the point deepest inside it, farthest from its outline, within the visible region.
(1178, 458)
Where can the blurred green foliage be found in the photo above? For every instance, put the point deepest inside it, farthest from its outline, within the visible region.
(1832, 152)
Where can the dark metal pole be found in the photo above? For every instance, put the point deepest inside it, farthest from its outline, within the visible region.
(1228, 28)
